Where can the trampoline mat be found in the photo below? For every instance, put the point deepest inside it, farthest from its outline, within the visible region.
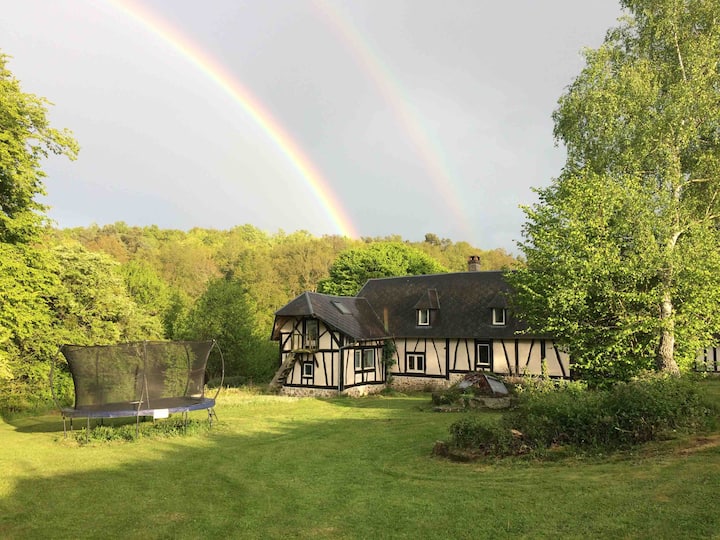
(134, 408)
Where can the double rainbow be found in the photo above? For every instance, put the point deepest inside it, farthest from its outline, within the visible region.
(252, 106)
(392, 93)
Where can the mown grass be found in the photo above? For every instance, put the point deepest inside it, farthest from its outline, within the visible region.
(303, 468)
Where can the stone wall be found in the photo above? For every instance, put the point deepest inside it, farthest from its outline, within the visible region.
(416, 384)
(355, 391)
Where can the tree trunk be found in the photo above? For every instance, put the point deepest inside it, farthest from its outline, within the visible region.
(665, 358)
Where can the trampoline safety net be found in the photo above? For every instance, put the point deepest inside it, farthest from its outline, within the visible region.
(137, 376)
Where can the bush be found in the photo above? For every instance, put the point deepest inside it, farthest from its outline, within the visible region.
(624, 415)
(126, 431)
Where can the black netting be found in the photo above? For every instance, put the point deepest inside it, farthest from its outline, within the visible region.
(150, 374)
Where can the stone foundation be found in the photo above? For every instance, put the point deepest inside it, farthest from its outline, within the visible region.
(355, 391)
(418, 384)
(307, 392)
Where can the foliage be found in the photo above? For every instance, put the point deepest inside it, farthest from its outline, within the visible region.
(628, 235)
(145, 286)
(354, 267)
(93, 306)
(532, 384)
(129, 432)
(593, 294)
(454, 256)
(55, 295)
(389, 359)
(625, 415)
(26, 138)
(225, 313)
(25, 316)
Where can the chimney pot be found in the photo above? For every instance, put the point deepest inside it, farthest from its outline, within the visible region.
(474, 263)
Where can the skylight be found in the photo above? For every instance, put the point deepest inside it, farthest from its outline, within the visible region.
(342, 308)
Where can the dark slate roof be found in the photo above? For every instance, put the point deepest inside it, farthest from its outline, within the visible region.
(465, 301)
(351, 315)
(428, 300)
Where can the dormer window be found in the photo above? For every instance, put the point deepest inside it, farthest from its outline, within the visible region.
(428, 301)
(498, 316)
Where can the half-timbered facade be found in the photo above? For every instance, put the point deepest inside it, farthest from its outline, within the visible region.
(708, 360)
(442, 326)
(446, 325)
(329, 345)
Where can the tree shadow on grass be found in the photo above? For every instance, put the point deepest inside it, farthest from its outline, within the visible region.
(380, 401)
(292, 478)
(53, 423)
(298, 470)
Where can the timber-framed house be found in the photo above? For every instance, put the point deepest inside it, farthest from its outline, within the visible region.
(442, 326)
(329, 345)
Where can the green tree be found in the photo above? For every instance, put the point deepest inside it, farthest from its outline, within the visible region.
(25, 317)
(93, 305)
(354, 267)
(25, 139)
(225, 312)
(629, 231)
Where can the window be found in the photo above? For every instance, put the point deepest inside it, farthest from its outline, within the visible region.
(342, 308)
(307, 369)
(423, 317)
(483, 359)
(311, 334)
(364, 359)
(416, 363)
(498, 316)
(368, 359)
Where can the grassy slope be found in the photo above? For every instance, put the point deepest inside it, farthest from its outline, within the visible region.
(279, 468)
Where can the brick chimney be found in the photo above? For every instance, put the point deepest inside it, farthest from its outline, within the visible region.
(473, 263)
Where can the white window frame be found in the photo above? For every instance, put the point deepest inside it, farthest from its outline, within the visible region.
(308, 370)
(423, 317)
(488, 347)
(415, 362)
(499, 316)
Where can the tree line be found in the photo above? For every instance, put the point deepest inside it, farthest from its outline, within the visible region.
(116, 283)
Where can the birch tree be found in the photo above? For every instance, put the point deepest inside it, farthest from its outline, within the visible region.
(641, 125)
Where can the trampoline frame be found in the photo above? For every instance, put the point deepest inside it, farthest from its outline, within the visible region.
(141, 408)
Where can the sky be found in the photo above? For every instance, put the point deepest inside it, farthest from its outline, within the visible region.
(360, 118)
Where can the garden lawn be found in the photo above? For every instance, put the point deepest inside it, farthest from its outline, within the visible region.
(279, 467)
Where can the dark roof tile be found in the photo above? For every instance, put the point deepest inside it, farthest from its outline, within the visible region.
(466, 300)
(351, 315)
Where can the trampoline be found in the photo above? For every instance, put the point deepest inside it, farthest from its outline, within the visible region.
(141, 379)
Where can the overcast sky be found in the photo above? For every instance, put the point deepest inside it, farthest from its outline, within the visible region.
(417, 116)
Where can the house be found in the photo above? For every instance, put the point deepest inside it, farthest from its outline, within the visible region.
(329, 345)
(440, 326)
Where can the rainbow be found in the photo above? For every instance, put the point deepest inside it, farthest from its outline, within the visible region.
(391, 92)
(252, 106)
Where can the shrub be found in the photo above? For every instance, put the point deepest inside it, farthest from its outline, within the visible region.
(126, 432)
(624, 415)
(472, 432)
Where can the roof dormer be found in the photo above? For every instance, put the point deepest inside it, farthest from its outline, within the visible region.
(427, 308)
